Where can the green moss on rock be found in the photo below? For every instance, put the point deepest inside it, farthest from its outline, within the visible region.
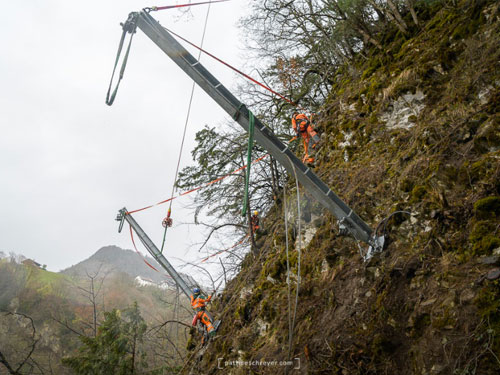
(487, 207)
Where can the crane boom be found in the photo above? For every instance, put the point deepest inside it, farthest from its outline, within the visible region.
(153, 250)
(347, 218)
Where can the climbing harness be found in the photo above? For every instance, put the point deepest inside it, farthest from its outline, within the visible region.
(128, 27)
(251, 126)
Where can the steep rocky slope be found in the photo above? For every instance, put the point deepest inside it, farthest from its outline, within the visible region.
(413, 128)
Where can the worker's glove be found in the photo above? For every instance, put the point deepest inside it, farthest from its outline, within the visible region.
(293, 139)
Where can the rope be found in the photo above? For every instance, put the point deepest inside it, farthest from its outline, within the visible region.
(384, 221)
(185, 129)
(236, 70)
(223, 251)
(290, 330)
(299, 251)
(251, 126)
(197, 188)
(154, 9)
(129, 26)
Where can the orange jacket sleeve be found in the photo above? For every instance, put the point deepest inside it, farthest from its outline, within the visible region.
(294, 124)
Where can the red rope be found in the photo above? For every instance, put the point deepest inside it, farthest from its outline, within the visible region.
(223, 251)
(198, 188)
(236, 70)
(185, 5)
(138, 252)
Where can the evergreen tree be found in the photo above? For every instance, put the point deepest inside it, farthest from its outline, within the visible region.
(115, 349)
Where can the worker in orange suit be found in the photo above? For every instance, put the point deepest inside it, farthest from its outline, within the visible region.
(198, 303)
(303, 127)
(254, 221)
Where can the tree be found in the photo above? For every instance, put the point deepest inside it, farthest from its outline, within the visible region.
(316, 37)
(17, 352)
(12, 281)
(218, 154)
(115, 350)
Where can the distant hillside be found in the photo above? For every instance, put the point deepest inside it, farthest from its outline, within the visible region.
(60, 310)
(113, 259)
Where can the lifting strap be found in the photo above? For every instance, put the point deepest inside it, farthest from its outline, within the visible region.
(128, 27)
(251, 126)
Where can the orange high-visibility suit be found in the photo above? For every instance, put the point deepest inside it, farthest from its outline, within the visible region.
(304, 128)
(254, 222)
(198, 303)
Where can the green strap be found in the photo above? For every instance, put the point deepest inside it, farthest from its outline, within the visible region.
(110, 97)
(163, 241)
(251, 125)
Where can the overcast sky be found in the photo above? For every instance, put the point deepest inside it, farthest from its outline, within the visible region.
(68, 162)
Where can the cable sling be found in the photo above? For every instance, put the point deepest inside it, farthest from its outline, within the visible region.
(128, 27)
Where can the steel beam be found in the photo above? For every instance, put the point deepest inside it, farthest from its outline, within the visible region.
(348, 219)
(153, 250)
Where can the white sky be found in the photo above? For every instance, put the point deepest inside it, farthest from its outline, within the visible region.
(68, 162)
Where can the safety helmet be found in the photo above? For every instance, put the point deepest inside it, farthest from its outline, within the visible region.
(196, 291)
(256, 212)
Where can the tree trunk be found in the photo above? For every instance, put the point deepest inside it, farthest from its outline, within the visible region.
(368, 37)
(94, 307)
(409, 4)
(400, 21)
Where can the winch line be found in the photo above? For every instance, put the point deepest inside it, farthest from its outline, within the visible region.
(235, 69)
(197, 188)
(155, 8)
(223, 251)
(184, 132)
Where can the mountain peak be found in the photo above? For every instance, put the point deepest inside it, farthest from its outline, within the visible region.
(113, 259)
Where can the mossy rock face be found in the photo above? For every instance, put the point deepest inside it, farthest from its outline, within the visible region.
(488, 207)
(437, 169)
(488, 304)
(482, 238)
(488, 137)
(417, 193)
(407, 185)
(421, 323)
